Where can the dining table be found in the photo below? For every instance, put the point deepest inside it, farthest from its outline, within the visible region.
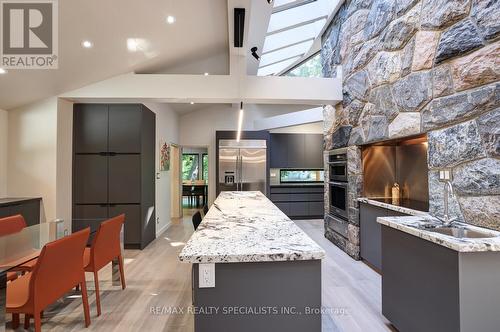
(26, 245)
(196, 189)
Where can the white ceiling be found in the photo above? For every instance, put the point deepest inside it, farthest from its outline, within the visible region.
(198, 37)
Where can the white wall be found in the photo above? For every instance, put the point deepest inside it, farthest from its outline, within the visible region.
(32, 149)
(64, 161)
(167, 128)
(3, 152)
(198, 129)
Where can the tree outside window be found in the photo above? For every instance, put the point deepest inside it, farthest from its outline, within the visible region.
(204, 166)
(190, 168)
(310, 68)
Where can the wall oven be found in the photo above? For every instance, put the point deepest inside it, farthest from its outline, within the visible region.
(337, 186)
(338, 198)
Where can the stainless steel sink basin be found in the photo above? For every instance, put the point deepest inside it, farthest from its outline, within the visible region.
(460, 232)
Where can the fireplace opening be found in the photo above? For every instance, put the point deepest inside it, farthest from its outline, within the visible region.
(396, 172)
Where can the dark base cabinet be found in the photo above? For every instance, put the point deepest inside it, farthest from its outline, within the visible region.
(370, 233)
(299, 202)
(428, 287)
(114, 169)
(28, 208)
(260, 296)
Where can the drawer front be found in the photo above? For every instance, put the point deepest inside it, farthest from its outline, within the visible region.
(280, 197)
(316, 208)
(299, 209)
(284, 207)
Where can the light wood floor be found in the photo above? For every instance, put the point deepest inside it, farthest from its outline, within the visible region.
(156, 279)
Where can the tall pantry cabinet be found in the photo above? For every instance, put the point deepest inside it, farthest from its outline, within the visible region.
(114, 168)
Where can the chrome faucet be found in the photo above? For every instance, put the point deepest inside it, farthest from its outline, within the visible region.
(448, 191)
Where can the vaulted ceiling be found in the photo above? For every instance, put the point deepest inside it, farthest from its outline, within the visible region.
(196, 43)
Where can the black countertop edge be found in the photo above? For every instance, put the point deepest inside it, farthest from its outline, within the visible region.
(6, 201)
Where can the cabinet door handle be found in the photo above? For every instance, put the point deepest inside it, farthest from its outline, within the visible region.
(112, 154)
(103, 153)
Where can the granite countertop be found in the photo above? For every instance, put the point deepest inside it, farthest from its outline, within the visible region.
(13, 200)
(419, 225)
(248, 227)
(393, 207)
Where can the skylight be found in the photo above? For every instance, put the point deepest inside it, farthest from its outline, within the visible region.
(292, 30)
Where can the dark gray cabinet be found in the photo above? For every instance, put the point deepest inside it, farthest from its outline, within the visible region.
(279, 151)
(124, 179)
(371, 233)
(91, 132)
(299, 202)
(114, 172)
(90, 173)
(313, 151)
(28, 208)
(125, 128)
(296, 151)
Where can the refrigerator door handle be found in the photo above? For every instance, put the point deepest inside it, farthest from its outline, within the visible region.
(241, 173)
(237, 175)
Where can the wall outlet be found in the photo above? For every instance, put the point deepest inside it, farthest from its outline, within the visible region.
(206, 278)
(445, 175)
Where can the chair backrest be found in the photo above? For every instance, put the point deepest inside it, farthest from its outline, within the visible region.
(11, 225)
(205, 209)
(196, 220)
(106, 243)
(58, 269)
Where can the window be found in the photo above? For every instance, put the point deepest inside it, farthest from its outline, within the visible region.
(292, 30)
(309, 68)
(204, 166)
(190, 166)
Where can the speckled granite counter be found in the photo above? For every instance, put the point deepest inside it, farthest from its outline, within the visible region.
(248, 227)
(392, 207)
(419, 225)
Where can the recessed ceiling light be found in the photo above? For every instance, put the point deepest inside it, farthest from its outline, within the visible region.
(132, 44)
(3, 71)
(206, 74)
(87, 44)
(192, 103)
(170, 19)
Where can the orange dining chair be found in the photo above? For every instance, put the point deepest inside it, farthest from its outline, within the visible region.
(11, 225)
(104, 249)
(58, 270)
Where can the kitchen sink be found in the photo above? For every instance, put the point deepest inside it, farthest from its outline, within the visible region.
(459, 232)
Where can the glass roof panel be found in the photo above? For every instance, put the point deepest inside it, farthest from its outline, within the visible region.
(293, 36)
(285, 53)
(277, 67)
(278, 3)
(296, 15)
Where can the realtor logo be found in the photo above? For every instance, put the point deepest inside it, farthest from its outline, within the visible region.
(29, 34)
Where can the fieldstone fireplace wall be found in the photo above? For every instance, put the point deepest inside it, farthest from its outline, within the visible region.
(411, 67)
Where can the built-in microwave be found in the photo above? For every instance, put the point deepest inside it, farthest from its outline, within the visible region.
(337, 165)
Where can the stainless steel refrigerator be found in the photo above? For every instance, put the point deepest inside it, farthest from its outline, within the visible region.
(242, 165)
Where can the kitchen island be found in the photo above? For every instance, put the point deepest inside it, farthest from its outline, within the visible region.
(253, 268)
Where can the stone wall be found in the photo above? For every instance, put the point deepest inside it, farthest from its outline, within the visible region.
(410, 67)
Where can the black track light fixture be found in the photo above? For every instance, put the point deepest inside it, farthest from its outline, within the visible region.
(254, 52)
(270, 2)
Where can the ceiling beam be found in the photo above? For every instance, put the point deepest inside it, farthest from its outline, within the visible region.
(290, 119)
(211, 89)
